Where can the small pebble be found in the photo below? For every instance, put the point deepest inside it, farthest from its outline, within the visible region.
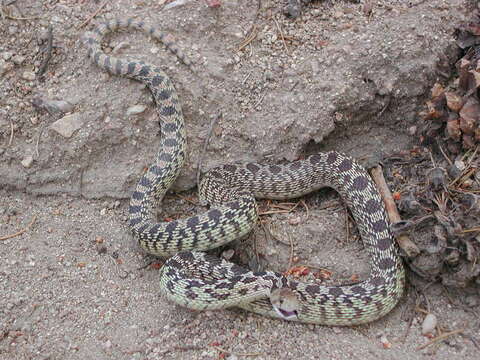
(269, 75)
(429, 324)
(295, 220)
(67, 125)
(386, 344)
(18, 59)
(60, 105)
(460, 165)
(53, 106)
(4, 67)
(28, 75)
(12, 30)
(175, 4)
(136, 109)
(228, 254)
(27, 161)
(472, 300)
(7, 55)
(101, 249)
(43, 36)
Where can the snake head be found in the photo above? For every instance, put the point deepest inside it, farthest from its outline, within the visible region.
(285, 303)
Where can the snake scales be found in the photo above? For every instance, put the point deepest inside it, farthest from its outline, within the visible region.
(201, 281)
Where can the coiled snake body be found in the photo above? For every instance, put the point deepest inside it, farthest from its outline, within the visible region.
(199, 281)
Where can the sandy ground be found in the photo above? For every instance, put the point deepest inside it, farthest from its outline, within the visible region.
(75, 286)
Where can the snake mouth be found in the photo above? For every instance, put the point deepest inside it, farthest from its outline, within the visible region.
(287, 315)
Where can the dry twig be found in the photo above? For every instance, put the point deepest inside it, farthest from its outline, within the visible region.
(440, 338)
(283, 209)
(281, 35)
(92, 16)
(11, 133)
(306, 209)
(205, 145)
(252, 32)
(20, 18)
(20, 232)
(187, 199)
(403, 240)
(236, 354)
(48, 55)
(250, 37)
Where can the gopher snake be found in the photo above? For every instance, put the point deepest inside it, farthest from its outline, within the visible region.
(201, 281)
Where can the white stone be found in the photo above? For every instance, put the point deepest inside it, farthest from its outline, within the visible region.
(28, 75)
(136, 109)
(429, 324)
(27, 161)
(67, 125)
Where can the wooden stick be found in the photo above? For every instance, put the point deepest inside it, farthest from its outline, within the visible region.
(281, 35)
(218, 348)
(20, 232)
(403, 240)
(12, 129)
(439, 338)
(92, 16)
(48, 55)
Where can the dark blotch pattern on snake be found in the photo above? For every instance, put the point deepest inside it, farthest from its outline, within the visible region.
(201, 281)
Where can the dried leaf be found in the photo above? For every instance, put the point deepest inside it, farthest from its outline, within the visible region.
(467, 126)
(354, 278)
(468, 142)
(454, 147)
(437, 90)
(454, 101)
(465, 77)
(453, 129)
(477, 134)
(156, 265)
(468, 34)
(469, 115)
(476, 76)
(298, 271)
(323, 274)
(435, 109)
